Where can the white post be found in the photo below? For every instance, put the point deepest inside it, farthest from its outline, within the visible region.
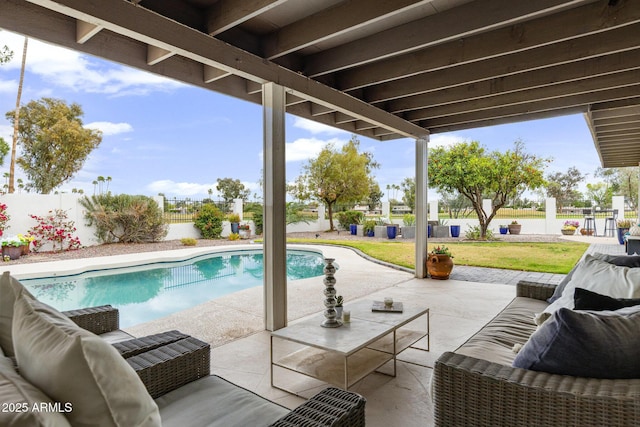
(550, 225)
(433, 210)
(274, 229)
(422, 184)
(238, 206)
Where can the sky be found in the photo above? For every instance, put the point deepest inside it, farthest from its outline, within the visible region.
(162, 136)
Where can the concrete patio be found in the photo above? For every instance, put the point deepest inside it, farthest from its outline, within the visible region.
(234, 326)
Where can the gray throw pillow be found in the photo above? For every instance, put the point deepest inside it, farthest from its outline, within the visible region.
(585, 344)
(557, 293)
(584, 299)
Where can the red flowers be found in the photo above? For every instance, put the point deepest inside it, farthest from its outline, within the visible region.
(56, 229)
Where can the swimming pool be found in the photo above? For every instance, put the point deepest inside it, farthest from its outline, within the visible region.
(151, 291)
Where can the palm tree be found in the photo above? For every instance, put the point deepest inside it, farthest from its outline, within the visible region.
(108, 181)
(95, 183)
(100, 183)
(16, 119)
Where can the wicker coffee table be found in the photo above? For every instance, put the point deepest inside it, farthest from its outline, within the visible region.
(345, 355)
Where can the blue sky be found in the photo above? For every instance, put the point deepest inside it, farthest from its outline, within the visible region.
(163, 136)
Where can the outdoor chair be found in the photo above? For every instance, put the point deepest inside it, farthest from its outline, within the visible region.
(589, 221)
(610, 224)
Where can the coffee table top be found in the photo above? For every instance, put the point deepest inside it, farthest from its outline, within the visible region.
(365, 328)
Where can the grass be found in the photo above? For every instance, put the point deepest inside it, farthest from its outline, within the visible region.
(541, 257)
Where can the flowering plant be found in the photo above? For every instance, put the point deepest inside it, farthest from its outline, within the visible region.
(245, 227)
(12, 241)
(55, 228)
(4, 217)
(571, 225)
(441, 250)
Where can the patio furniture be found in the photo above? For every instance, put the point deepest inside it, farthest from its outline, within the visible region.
(343, 356)
(476, 385)
(59, 363)
(589, 223)
(610, 223)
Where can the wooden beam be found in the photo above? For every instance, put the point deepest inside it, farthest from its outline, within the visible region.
(85, 30)
(157, 54)
(598, 44)
(147, 27)
(462, 21)
(211, 74)
(619, 129)
(613, 121)
(539, 78)
(332, 22)
(561, 26)
(562, 90)
(226, 14)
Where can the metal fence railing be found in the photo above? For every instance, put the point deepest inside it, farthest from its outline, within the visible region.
(180, 210)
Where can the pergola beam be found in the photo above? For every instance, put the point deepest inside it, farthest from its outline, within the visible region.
(452, 24)
(226, 14)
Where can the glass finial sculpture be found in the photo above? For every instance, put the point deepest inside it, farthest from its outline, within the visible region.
(330, 301)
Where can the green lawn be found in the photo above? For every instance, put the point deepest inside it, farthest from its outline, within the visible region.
(542, 257)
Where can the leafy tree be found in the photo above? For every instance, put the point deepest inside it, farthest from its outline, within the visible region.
(458, 205)
(209, 221)
(334, 176)
(4, 149)
(473, 172)
(375, 195)
(231, 189)
(600, 193)
(5, 54)
(408, 186)
(623, 182)
(54, 143)
(563, 186)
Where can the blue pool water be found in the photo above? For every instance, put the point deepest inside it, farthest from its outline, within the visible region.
(152, 291)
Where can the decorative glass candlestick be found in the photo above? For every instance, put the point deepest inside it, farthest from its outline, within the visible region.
(330, 301)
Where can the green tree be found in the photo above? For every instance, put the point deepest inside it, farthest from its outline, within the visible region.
(375, 195)
(4, 150)
(564, 186)
(600, 193)
(5, 54)
(408, 186)
(231, 189)
(456, 204)
(54, 143)
(334, 176)
(470, 170)
(623, 182)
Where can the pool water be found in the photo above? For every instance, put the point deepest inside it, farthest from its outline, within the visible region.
(151, 291)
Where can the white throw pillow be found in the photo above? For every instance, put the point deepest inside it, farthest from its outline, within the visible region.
(597, 276)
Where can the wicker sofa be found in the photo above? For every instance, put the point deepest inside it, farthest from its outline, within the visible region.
(173, 385)
(477, 386)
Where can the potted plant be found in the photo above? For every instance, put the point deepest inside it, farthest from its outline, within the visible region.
(440, 263)
(569, 228)
(234, 219)
(26, 240)
(369, 227)
(514, 227)
(440, 230)
(455, 230)
(409, 226)
(338, 307)
(4, 217)
(504, 228)
(11, 247)
(380, 228)
(623, 228)
(244, 230)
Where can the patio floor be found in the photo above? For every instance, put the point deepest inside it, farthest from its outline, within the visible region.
(233, 324)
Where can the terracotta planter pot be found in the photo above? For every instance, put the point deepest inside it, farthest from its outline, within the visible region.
(515, 228)
(439, 266)
(25, 249)
(13, 252)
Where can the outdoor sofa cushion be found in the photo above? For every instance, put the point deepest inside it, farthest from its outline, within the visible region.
(621, 261)
(213, 401)
(10, 288)
(584, 299)
(72, 365)
(585, 344)
(23, 405)
(597, 276)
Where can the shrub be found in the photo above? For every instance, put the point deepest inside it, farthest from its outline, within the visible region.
(346, 218)
(233, 217)
(209, 221)
(188, 241)
(55, 228)
(234, 236)
(256, 210)
(474, 233)
(409, 220)
(124, 218)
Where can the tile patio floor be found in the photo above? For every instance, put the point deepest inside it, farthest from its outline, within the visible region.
(234, 325)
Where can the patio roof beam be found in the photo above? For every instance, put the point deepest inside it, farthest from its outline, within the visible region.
(452, 24)
(145, 26)
(85, 30)
(226, 14)
(594, 46)
(571, 24)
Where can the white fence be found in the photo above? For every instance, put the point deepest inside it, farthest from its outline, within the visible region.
(21, 206)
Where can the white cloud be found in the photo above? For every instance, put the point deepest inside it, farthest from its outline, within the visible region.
(315, 127)
(109, 128)
(444, 140)
(9, 86)
(307, 148)
(81, 73)
(168, 186)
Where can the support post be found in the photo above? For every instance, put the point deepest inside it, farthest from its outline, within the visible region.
(422, 184)
(274, 226)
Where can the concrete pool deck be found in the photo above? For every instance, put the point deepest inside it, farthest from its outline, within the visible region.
(234, 324)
